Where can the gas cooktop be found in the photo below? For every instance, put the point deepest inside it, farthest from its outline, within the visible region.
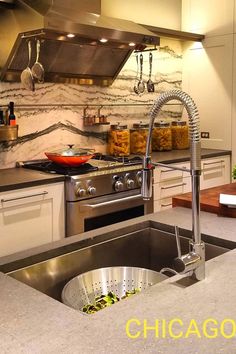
(99, 162)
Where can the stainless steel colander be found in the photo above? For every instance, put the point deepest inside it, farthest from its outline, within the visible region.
(83, 289)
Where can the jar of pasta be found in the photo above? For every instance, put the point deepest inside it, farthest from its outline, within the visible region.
(180, 139)
(138, 138)
(161, 137)
(119, 140)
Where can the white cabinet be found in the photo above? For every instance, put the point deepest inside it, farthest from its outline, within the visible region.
(207, 77)
(210, 17)
(31, 217)
(215, 172)
(169, 183)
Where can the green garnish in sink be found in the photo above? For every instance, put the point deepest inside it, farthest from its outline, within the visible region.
(103, 301)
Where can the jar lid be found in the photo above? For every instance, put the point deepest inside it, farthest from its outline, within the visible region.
(118, 126)
(161, 124)
(179, 122)
(141, 125)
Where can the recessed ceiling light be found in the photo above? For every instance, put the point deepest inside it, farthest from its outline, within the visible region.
(131, 44)
(103, 40)
(70, 35)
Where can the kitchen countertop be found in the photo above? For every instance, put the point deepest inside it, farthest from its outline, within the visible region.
(32, 322)
(15, 178)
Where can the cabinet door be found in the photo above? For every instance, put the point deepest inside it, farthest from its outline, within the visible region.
(27, 218)
(207, 16)
(215, 172)
(207, 77)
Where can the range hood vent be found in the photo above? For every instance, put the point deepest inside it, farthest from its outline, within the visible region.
(80, 58)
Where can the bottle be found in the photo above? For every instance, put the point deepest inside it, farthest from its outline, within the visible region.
(161, 136)
(119, 140)
(138, 138)
(1, 117)
(12, 117)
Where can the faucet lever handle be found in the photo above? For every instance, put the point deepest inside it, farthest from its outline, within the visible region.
(178, 241)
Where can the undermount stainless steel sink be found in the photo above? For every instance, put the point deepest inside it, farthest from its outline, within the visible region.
(147, 248)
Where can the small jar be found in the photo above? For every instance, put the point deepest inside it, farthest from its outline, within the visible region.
(138, 138)
(119, 140)
(180, 139)
(161, 137)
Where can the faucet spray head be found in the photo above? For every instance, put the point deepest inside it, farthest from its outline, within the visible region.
(146, 189)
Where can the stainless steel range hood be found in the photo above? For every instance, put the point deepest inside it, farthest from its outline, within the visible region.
(82, 59)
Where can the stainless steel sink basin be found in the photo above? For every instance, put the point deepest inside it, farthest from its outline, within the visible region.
(147, 248)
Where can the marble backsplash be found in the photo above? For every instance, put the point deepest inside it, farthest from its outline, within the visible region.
(45, 128)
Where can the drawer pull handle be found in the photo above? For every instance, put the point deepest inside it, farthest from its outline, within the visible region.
(213, 163)
(23, 197)
(166, 205)
(174, 185)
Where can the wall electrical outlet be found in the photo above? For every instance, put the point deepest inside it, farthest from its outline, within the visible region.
(205, 135)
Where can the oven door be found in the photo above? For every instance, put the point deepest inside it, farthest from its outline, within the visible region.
(97, 212)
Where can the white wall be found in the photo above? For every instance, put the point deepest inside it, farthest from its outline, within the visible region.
(160, 13)
(209, 69)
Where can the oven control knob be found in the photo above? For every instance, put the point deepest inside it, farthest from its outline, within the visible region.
(81, 192)
(118, 186)
(139, 178)
(130, 183)
(91, 190)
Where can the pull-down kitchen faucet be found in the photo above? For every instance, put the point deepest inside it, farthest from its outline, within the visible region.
(194, 261)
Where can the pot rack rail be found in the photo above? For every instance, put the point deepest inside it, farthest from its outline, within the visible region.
(82, 105)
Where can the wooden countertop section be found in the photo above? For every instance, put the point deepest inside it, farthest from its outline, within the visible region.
(209, 200)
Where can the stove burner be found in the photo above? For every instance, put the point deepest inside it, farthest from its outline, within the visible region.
(125, 159)
(52, 167)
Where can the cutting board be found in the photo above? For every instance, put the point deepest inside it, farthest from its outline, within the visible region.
(209, 200)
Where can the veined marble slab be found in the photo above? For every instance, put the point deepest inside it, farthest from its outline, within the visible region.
(46, 128)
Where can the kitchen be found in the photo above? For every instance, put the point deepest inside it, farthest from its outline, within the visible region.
(170, 64)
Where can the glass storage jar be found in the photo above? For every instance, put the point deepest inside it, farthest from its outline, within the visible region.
(138, 138)
(180, 139)
(119, 140)
(161, 136)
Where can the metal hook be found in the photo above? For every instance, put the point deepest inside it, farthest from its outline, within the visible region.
(99, 111)
(85, 111)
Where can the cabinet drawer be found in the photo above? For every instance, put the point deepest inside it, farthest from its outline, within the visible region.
(30, 217)
(162, 204)
(165, 173)
(215, 172)
(171, 187)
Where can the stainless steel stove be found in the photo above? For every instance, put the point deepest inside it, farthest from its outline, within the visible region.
(99, 193)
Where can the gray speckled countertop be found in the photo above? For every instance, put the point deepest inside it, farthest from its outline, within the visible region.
(32, 322)
(14, 178)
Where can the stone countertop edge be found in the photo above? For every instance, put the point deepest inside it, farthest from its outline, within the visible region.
(17, 178)
(32, 322)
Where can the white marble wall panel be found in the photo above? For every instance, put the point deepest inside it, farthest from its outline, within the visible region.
(45, 128)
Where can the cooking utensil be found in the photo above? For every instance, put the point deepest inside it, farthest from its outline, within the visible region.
(26, 77)
(141, 85)
(37, 69)
(82, 289)
(70, 157)
(150, 84)
(137, 77)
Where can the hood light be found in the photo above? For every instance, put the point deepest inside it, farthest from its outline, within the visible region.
(132, 44)
(70, 35)
(103, 40)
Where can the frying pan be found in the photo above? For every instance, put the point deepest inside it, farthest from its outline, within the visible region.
(70, 157)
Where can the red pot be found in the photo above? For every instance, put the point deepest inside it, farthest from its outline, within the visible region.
(71, 156)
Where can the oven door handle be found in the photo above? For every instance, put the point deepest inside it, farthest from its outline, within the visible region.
(110, 202)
